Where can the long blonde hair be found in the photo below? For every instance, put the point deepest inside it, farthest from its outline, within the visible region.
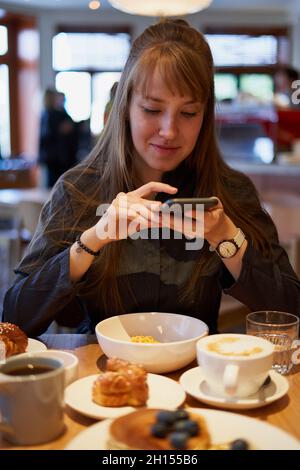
(185, 61)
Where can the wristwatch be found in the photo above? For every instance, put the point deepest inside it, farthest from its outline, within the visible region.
(228, 248)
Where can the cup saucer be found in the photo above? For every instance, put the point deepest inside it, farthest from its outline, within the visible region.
(193, 382)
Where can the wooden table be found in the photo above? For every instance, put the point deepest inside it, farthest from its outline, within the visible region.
(284, 413)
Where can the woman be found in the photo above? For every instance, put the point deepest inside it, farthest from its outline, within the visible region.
(159, 141)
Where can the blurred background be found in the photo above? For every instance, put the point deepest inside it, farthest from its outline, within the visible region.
(60, 59)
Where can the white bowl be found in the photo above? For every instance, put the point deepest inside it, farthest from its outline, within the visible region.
(177, 336)
(69, 360)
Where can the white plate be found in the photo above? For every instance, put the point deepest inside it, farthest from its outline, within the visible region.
(163, 393)
(34, 345)
(223, 427)
(194, 384)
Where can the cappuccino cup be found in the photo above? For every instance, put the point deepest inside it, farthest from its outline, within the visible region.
(31, 399)
(234, 365)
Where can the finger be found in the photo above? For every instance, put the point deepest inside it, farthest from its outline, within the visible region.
(149, 203)
(136, 206)
(139, 223)
(133, 223)
(154, 187)
(120, 195)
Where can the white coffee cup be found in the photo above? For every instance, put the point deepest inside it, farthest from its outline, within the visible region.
(234, 365)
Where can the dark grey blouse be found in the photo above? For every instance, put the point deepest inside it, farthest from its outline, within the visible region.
(155, 270)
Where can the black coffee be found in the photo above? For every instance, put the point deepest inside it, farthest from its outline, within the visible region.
(29, 369)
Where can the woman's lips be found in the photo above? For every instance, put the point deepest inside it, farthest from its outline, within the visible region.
(164, 148)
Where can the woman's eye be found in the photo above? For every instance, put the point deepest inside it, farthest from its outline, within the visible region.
(152, 111)
(184, 113)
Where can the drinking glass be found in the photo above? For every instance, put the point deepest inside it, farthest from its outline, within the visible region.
(282, 329)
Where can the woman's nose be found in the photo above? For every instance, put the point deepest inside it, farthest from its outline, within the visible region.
(168, 128)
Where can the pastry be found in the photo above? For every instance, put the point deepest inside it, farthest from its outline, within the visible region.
(122, 384)
(14, 339)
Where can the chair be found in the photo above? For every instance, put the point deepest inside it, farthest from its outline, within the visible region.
(288, 128)
(232, 315)
(10, 225)
(10, 244)
(17, 172)
(292, 247)
(29, 212)
(284, 209)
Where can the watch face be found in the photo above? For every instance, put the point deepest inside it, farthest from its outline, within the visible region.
(227, 249)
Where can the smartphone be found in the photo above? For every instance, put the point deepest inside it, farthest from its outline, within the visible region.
(208, 202)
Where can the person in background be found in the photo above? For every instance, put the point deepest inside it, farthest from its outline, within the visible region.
(159, 142)
(287, 104)
(84, 139)
(284, 88)
(57, 142)
(110, 102)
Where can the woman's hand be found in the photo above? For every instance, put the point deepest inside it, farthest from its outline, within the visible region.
(213, 224)
(131, 212)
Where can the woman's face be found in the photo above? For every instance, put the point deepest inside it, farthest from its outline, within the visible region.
(164, 128)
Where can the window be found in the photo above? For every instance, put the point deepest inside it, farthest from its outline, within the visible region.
(19, 82)
(28, 45)
(259, 85)
(3, 40)
(90, 62)
(82, 51)
(94, 94)
(78, 105)
(4, 115)
(246, 60)
(102, 83)
(4, 95)
(242, 49)
(226, 86)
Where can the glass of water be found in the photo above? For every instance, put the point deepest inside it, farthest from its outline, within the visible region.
(282, 329)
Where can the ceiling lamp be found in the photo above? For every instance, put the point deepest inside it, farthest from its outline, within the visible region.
(94, 5)
(160, 7)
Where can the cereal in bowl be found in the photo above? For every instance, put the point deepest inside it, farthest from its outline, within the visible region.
(143, 339)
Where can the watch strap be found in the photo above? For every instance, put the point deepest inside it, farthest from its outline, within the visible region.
(238, 240)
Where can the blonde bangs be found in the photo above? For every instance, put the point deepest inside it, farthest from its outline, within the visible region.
(176, 70)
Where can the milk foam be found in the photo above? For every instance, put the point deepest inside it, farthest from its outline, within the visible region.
(231, 346)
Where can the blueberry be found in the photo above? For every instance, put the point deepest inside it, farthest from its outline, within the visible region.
(178, 439)
(167, 417)
(159, 429)
(188, 426)
(239, 444)
(181, 414)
